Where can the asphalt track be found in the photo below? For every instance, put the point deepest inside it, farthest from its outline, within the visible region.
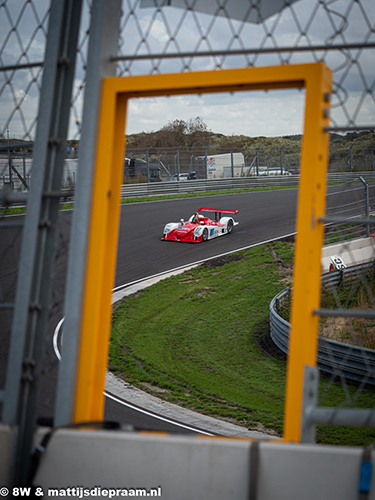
(263, 215)
(141, 253)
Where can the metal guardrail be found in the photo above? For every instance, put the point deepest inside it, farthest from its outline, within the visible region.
(202, 185)
(333, 357)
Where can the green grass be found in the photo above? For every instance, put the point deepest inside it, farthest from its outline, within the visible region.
(21, 210)
(197, 340)
(12, 211)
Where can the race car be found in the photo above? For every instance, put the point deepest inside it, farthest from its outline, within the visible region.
(199, 228)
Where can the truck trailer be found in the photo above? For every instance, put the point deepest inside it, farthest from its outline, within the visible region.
(220, 166)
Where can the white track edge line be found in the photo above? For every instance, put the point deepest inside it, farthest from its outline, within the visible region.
(121, 287)
(155, 415)
(114, 398)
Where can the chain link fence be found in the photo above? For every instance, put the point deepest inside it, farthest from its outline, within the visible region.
(339, 33)
(165, 40)
(253, 161)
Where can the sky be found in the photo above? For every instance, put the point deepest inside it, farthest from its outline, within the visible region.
(253, 114)
(145, 30)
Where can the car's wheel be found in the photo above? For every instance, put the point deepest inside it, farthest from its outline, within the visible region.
(205, 234)
(230, 226)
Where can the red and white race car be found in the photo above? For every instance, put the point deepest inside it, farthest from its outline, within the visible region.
(199, 228)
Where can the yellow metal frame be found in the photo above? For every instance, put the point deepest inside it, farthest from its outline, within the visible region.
(102, 247)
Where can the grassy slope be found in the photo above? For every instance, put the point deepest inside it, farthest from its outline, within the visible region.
(194, 339)
(192, 335)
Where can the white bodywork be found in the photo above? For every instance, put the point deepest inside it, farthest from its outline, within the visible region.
(214, 231)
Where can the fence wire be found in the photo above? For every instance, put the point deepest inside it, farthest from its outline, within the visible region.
(340, 33)
(11, 228)
(167, 39)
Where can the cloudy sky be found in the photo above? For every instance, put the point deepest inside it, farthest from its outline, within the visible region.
(248, 113)
(148, 31)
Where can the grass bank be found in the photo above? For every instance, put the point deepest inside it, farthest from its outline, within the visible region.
(201, 339)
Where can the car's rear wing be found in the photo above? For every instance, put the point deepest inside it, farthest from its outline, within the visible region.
(218, 211)
(221, 210)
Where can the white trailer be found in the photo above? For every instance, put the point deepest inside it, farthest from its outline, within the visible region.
(220, 166)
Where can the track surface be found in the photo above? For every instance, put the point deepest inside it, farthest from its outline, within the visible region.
(262, 215)
(141, 253)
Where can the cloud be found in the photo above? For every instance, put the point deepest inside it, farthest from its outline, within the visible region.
(172, 30)
(156, 29)
(248, 113)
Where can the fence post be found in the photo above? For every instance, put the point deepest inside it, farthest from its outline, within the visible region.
(205, 161)
(367, 204)
(231, 162)
(310, 232)
(32, 304)
(105, 25)
(178, 162)
(148, 165)
(10, 154)
(257, 160)
(281, 158)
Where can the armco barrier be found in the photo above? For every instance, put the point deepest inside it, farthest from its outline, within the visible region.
(333, 357)
(202, 185)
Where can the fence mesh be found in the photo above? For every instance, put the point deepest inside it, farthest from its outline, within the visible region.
(160, 40)
(339, 33)
(23, 37)
(166, 39)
